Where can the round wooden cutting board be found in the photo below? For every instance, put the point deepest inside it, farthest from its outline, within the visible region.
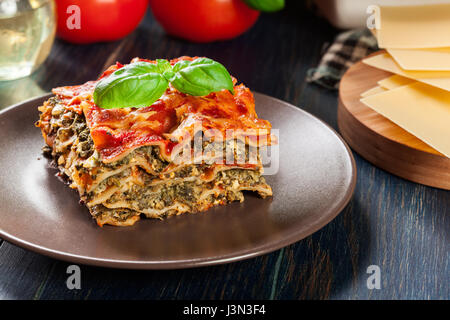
(379, 140)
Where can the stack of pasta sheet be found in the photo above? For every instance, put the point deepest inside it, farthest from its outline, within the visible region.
(417, 96)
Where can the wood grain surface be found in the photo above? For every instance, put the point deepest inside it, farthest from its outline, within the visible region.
(400, 226)
(379, 140)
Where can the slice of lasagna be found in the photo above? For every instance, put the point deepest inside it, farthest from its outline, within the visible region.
(181, 154)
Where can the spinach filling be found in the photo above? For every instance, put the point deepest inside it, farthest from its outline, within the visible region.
(188, 192)
(65, 124)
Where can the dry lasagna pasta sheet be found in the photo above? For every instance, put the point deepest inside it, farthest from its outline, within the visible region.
(372, 91)
(416, 37)
(439, 79)
(431, 59)
(420, 109)
(414, 27)
(386, 84)
(394, 81)
(417, 96)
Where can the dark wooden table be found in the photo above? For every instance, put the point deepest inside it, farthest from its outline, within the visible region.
(400, 226)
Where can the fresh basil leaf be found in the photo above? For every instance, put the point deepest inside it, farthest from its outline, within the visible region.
(163, 65)
(141, 83)
(135, 85)
(200, 77)
(266, 5)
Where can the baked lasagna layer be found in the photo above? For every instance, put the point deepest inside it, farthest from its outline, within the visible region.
(123, 161)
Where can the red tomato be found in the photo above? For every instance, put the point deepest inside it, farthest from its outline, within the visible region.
(204, 20)
(87, 21)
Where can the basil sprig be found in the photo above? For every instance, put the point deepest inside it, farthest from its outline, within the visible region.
(140, 84)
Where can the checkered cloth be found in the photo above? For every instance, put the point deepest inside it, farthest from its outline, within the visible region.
(348, 48)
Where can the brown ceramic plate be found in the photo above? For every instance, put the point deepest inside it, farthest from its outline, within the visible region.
(316, 179)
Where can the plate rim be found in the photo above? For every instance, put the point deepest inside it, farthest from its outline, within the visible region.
(200, 262)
